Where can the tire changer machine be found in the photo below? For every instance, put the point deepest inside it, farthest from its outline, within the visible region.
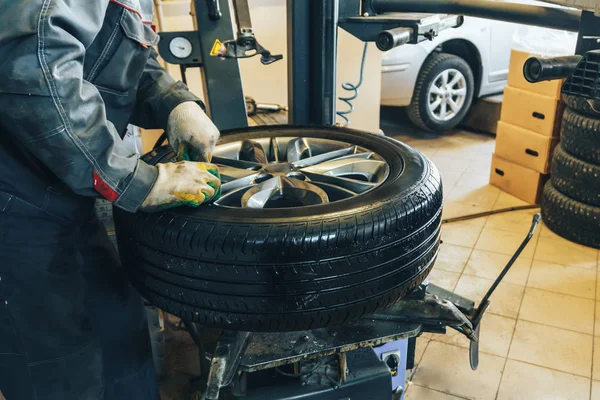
(365, 359)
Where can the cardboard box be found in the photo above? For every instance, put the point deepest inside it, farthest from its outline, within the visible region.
(517, 80)
(524, 147)
(540, 114)
(524, 183)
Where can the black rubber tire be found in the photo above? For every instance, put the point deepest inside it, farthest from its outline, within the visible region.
(575, 178)
(573, 220)
(580, 105)
(418, 110)
(290, 269)
(580, 136)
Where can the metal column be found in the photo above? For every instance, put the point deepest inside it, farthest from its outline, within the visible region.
(589, 33)
(312, 61)
(221, 78)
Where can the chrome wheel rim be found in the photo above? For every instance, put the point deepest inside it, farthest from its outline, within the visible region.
(447, 94)
(290, 172)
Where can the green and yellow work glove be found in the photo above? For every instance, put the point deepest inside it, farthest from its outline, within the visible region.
(184, 183)
(191, 133)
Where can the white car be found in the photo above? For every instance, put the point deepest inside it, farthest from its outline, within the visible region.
(437, 80)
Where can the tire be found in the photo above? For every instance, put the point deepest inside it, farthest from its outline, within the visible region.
(580, 105)
(580, 136)
(573, 220)
(418, 111)
(290, 269)
(575, 178)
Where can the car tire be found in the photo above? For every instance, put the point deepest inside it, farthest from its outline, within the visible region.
(580, 105)
(293, 268)
(419, 110)
(580, 136)
(571, 219)
(575, 178)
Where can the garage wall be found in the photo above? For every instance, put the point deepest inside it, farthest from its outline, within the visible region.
(269, 83)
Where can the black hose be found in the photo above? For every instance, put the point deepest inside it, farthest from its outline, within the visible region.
(538, 69)
(488, 213)
(546, 17)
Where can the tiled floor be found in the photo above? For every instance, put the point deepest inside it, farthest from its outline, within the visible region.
(538, 340)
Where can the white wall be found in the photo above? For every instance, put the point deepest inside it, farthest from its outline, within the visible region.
(269, 83)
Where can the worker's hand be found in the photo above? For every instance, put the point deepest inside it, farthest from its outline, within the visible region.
(184, 183)
(191, 134)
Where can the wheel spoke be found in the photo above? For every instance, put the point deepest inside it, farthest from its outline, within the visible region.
(238, 183)
(298, 149)
(455, 108)
(436, 90)
(229, 174)
(334, 193)
(433, 106)
(253, 152)
(307, 162)
(232, 198)
(348, 167)
(282, 189)
(236, 163)
(459, 92)
(274, 149)
(445, 76)
(353, 185)
(443, 108)
(455, 79)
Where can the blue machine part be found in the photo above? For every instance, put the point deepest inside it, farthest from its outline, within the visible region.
(394, 355)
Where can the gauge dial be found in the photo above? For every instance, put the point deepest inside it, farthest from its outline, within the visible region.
(180, 47)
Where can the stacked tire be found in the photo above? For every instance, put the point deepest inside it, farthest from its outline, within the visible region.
(571, 200)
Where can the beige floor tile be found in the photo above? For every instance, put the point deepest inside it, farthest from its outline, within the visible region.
(561, 251)
(505, 301)
(445, 368)
(508, 200)
(596, 368)
(552, 347)
(450, 164)
(495, 336)
(452, 258)
(460, 234)
(480, 167)
(595, 390)
(522, 381)
(453, 209)
(474, 181)
(485, 264)
(563, 279)
(449, 180)
(558, 310)
(416, 392)
(597, 322)
(514, 221)
(444, 279)
(483, 196)
(504, 242)
(420, 346)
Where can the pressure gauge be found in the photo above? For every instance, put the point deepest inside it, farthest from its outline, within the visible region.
(180, 47)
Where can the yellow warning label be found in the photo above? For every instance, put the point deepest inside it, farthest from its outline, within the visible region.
(216, 49)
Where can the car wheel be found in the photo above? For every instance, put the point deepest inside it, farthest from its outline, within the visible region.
(443, 93)
(315, 227)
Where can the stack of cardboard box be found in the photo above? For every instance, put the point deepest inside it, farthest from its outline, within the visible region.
(528, 131)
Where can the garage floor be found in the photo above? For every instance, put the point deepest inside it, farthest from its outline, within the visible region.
(541, 337)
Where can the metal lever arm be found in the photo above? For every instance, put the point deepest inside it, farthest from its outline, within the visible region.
(485, 302)
(245, 45)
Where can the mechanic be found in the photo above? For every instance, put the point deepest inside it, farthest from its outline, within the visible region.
(74, 74)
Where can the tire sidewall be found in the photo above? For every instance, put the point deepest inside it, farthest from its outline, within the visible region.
(426, 115)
